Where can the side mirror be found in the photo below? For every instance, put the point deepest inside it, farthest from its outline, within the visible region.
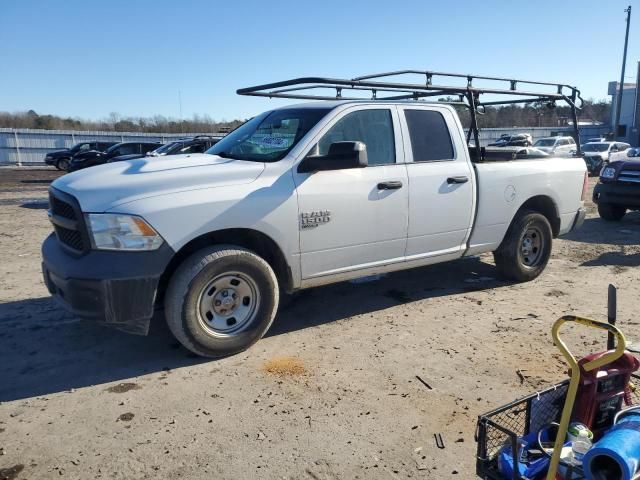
(341, 156)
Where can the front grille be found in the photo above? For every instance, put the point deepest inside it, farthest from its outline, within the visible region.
(67, 221)
(59, 207)
(631, 176)
(69, 237)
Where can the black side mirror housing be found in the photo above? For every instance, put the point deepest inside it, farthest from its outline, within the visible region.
(341, 156)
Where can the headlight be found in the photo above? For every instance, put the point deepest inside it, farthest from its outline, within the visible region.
(608, 173)
(112, 231)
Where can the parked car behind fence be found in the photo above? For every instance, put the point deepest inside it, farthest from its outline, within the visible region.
(94, 157)
(61, 158)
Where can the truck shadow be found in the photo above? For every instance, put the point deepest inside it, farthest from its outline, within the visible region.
(596, 230)
(344, 300)
(46, 350)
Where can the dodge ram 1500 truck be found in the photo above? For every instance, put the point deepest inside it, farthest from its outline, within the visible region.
(297, 197)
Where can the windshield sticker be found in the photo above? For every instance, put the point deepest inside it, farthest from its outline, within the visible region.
(273, 141)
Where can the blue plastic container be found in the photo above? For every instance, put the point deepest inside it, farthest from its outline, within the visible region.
(616, 456)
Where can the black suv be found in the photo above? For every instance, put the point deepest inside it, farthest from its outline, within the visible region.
(91, 158)
(183, 146)
(61, 158)
(619, 187)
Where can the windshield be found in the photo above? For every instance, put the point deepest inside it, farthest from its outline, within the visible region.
(269, 136)
(165, 148)
(112, 148)
(545, 142)
(595, 147)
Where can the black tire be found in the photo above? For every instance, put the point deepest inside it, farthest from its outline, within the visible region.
(63, 164)
(611, 213)
(197, 286)
(526, 248)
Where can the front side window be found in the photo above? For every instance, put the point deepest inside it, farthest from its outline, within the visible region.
(429, 135)
(270, 136)
(374, 128)
(84, 147)
(127, 149)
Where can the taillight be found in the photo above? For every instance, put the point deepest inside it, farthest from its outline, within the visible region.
(585, 186)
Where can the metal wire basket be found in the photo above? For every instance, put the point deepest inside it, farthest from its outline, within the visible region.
(503, 426)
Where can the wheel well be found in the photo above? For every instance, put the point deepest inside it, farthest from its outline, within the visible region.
(545, 206)
(253, 240)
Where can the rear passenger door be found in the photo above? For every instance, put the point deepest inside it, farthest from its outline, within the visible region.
(441, 182)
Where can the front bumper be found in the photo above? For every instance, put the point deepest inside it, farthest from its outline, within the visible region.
(114, 288)
(626, 195)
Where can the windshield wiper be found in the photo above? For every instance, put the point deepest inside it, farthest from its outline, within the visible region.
(225, 155)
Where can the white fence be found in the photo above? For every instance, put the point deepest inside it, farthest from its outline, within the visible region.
(29, 147)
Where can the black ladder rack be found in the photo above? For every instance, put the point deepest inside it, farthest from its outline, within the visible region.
(379, 87)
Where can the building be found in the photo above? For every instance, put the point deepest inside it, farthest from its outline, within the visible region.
(629, 129)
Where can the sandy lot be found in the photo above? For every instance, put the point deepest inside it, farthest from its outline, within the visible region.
(330, 393)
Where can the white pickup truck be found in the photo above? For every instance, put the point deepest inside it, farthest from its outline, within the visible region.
(296, 197)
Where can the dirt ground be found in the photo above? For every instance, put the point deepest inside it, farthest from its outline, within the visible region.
(332, 391)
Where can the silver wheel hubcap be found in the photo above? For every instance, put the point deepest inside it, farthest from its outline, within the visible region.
(531, 247)
(228, 304)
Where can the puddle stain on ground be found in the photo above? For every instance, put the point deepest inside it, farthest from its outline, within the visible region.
(555, 293)
(284, 367)
(124, 387)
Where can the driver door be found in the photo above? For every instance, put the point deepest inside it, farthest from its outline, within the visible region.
(362, 212)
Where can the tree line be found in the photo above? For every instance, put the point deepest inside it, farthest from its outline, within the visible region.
(535, 114)
(527, 115)
(116, 123)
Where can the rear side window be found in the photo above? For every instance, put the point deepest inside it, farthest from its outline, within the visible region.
(430, 138)
(128, 149)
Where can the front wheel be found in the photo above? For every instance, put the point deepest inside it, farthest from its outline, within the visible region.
(221, 300)
(63, 164)
(526, 248)
(611, 213)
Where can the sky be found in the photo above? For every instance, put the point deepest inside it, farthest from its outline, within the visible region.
(88, 58)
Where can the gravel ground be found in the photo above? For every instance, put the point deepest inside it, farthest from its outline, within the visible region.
(330, 393)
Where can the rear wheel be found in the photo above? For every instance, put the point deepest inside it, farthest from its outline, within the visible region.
(63, 164)
(221, 300)
(526, 248)
(611, 213)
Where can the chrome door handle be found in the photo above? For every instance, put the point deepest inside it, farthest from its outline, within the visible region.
(461, 179)
(393, 185)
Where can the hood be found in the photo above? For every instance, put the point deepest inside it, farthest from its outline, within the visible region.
(130, 156)
(104, 187)
(626, 165)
